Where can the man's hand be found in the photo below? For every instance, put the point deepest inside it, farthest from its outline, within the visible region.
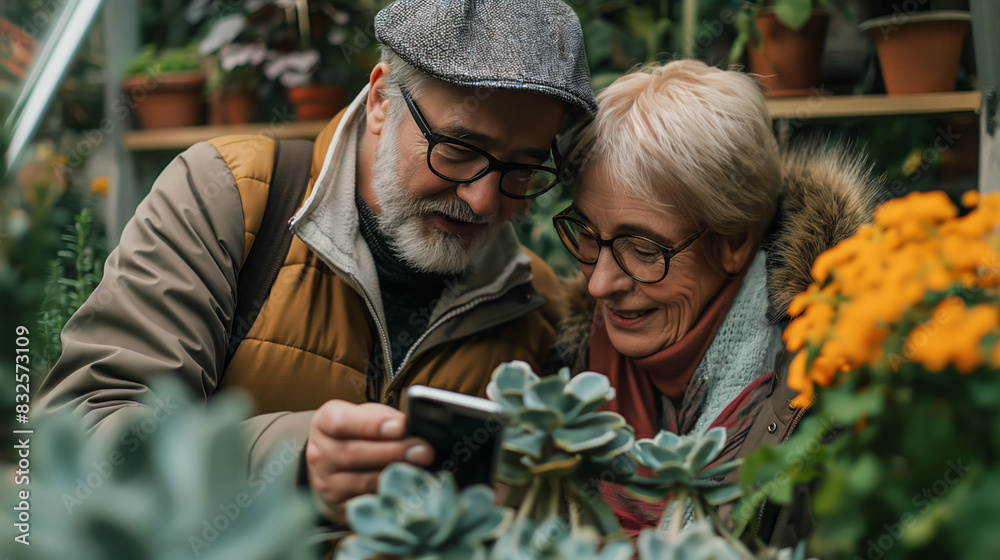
(349, 445)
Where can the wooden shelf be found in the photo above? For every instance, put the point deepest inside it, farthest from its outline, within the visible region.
(831, 106)
(811, 107)
(182, 137)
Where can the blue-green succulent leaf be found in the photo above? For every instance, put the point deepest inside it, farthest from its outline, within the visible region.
(574, 440)
(623, 441)
(589, 387)
(547, 394)
(616, 550)
(708, 447)
(537, 420)
(723, 494)
(398, 479)
(720, 470)
(528, 443)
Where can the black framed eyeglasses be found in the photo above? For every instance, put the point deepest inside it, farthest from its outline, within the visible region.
(643, 259)
(454, 160)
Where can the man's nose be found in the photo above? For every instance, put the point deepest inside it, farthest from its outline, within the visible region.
(483, 194)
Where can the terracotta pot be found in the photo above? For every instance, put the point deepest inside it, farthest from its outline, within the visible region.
(167, 100)
(919, 53)
(788, 62)
(238, 107)
(316, 101)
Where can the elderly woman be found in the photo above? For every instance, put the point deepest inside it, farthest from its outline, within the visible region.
(693, 233)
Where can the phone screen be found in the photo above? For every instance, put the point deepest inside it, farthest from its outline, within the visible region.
(466, 441)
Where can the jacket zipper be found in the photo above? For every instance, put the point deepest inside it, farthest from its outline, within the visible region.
(383, 335)
(395, 376)
(795, 423)
(394, 381)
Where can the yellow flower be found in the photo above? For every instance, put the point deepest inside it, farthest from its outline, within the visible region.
(970, 199)
(878, 280)
(99, 185)
(922, 208)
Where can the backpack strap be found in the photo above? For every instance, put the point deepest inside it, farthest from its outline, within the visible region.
(289, 180)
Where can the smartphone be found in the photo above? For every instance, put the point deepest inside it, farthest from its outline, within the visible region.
(464, 431)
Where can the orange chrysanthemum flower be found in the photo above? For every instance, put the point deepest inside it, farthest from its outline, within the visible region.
(886, 278)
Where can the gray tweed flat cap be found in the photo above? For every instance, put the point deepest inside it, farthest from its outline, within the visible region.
(531, 45)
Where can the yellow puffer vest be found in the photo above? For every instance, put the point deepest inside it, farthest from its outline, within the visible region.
(314, 336)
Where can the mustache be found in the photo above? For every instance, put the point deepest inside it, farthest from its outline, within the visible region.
(454, 208)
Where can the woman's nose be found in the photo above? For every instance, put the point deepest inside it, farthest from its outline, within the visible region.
(607, 278)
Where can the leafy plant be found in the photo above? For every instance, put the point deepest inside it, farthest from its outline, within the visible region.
(175, 60)
(420, 515)
(163, 483)
(899, 347)
(557, 443)
(552, 539)
(64, 295)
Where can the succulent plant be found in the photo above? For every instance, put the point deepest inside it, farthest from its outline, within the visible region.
(417, 514)
(697, 542)
(552, 539)
(700, 542)
(167, 481)
(680, 466)
(558, 444)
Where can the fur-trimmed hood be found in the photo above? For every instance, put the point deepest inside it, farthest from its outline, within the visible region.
(827, 193)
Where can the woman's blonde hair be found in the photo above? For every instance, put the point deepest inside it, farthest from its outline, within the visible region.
(693, 140)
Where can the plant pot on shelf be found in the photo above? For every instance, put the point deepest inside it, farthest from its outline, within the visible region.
(316, 101)
(238, 106)
(787, 63)
(169, 100)
(919, 52)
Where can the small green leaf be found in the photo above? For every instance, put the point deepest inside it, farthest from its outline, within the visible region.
(793, 14)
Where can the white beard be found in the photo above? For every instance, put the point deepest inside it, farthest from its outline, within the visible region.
(406, 220)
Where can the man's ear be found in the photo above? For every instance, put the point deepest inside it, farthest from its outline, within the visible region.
(737, 251)
(377, 108)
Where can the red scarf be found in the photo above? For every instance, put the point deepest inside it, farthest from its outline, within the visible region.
(639, 382)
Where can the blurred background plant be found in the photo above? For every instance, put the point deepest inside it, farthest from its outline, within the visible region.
(900, 336)
(73, 275)
(165, 480)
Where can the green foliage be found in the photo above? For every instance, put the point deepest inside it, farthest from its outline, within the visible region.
(416, 514)
(84, 256)
(913, 474)
(165, 480)
(552, 539)
(534, 230)
(175, 60)
(556, 442)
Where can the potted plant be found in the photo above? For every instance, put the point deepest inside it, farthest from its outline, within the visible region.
(899, 352)
(918, 50)
(237, 47)
(166, 87)
(319, 54)
(783, 40)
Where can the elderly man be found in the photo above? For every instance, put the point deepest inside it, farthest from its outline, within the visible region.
(403, 268)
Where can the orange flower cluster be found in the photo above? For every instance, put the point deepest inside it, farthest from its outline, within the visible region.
(918, 285)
